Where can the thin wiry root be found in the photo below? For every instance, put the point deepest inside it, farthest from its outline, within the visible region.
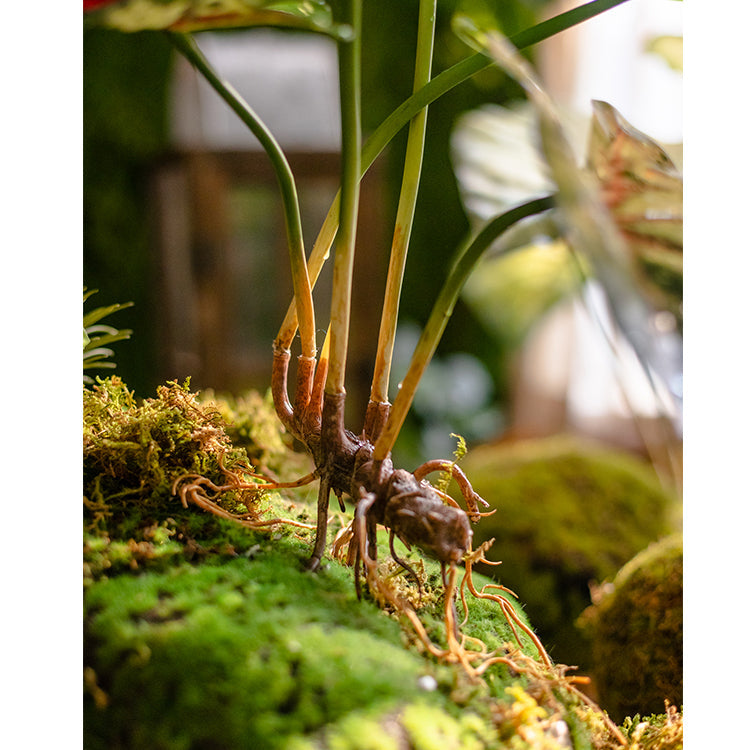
(471, 653)
(513, 619)
(202, 492)
(341, 548)
(351, 543)
(474, 662)
(245, 470)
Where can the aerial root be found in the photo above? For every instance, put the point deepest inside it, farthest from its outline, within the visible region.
(469, 652)
(470, 496)
(202, 492)
(477, 556)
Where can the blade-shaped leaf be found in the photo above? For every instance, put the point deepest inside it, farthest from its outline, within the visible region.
(107, 339)
(98, 336)
(99, 313)
(199, 15)
(96, 357)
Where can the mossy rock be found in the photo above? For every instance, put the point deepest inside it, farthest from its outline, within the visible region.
(568, 513)
(202, 633)
(256, 652)
(637, 633)
(251, 653)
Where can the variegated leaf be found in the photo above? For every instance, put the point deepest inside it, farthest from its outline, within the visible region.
(198, 15)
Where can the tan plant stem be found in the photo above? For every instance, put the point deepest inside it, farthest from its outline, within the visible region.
(403, 114)
(406, 206)
(318, 256)
(351, 160)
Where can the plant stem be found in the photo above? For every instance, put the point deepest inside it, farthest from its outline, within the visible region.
(300, 279)
(406, 205)
(442, 311)
(318, 256)
(351, 160)
(403, 114)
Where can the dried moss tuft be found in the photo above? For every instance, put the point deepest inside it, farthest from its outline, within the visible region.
(133, 451)
(251, 424)
(655, 732)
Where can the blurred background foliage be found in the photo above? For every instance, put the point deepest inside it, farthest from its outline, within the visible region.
(124, 133)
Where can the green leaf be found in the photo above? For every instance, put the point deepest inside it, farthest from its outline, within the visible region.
(498, 164)
(186, 16)
(97, 337)
(109, 338)
(95, 359)
(102, 312)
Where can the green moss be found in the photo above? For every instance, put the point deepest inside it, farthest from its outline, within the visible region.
(238, 655)
(251, 424)
(568, 513)
(431, 729)
(252, 651)
(637, 633)
(201, 633)
(360, 733)
(420, 725)
(655, 732)
(134, 451)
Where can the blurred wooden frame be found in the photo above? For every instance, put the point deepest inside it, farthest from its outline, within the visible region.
(200, 330)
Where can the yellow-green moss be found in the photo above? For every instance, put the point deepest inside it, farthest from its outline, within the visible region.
(251, 424)
(568, 513)
(655, 732)
(420, 725)
(251, 651)
(133, 451)
(200, 633)
(637, 633)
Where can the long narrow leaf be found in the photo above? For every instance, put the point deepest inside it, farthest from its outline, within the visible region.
(467, 260)
(102, 312)
(108, 339)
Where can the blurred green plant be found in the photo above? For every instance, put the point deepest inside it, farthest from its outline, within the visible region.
(98, 337)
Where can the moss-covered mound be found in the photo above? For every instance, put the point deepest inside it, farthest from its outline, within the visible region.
(637, 632)
(568, 513)
(203, 633)
(250, 652)
(247, 653)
